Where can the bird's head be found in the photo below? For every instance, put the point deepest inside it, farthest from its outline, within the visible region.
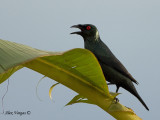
(88, 31)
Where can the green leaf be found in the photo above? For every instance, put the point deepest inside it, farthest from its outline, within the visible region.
(13, 56)
(50, 90)
(114, 94)
(37, 87)
(79, 63)
(79, 99)
(78, 69)
(6, 74)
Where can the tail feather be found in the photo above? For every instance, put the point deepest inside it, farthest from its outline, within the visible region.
(140, 99)
(133, 91)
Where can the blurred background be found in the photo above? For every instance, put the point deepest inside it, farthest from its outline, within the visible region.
(131, 29)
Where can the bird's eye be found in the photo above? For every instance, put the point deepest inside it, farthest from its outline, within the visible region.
(88, 27)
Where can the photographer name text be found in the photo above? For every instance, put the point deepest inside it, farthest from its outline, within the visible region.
(20, 113)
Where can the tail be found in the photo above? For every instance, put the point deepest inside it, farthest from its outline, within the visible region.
(140, 99)
(133, 90)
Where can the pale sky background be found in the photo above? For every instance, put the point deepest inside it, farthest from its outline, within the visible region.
(131, 29)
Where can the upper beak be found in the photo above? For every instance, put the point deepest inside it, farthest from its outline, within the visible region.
(77, 26)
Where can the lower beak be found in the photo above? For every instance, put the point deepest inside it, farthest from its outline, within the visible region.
(76, 26)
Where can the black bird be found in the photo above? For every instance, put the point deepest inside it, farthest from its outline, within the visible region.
(113, 70)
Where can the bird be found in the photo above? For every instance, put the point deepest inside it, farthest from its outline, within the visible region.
(113, 70)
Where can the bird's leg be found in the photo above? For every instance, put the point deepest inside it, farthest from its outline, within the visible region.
(117, 89)
(117, 100)
(109, 83)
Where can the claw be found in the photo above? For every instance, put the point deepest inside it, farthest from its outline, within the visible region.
(116, 99)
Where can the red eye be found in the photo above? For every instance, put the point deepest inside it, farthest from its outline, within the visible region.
(88, 27)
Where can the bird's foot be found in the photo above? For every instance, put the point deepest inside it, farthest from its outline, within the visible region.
(116, 99)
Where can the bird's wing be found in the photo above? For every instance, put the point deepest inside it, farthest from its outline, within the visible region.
(115, 64)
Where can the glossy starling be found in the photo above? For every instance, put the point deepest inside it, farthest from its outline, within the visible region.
(113, 70)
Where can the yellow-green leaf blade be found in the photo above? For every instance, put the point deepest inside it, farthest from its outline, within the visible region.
(50, 90)
(79, 63)
(77, 69)
(13, 55)
(79, 99)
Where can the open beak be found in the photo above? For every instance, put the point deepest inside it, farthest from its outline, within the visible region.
(77, 26)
